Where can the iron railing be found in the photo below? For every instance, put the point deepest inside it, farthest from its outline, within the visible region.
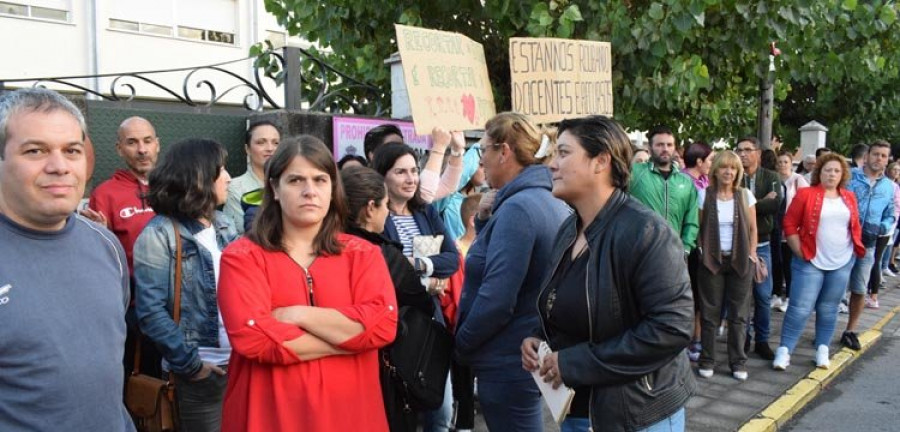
(308, 83)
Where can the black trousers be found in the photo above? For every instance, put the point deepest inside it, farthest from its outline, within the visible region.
(875, 277)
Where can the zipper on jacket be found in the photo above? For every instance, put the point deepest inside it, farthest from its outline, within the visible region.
(587, 298)
(646, 379)
(309, 286)
(666, 181)
(544, 287)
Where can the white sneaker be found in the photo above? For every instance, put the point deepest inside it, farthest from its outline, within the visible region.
(775, 303)
(721, 330)
(842, 308)
(740, 375)
(784, 305)
(705, 373)
(782, 359)
(822, 360)
(887, 272)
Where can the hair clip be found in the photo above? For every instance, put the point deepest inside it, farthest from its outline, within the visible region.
(544, 148)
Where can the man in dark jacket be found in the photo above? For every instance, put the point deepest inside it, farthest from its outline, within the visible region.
(766, 187)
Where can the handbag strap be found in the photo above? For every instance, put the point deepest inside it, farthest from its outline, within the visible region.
(176, 310)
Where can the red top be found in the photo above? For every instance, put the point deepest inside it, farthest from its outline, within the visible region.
(802, 218)
(121, 200)
(269, 387)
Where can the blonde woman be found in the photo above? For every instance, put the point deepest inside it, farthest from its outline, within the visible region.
(728, 241)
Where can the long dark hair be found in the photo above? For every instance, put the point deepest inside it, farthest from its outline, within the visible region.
(384, 159)
(268, 226)
(361, 185)
(182, 185)
(600, 134)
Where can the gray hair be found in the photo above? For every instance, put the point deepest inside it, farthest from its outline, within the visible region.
(33, 100)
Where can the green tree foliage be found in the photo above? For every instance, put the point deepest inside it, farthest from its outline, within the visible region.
(693, 63)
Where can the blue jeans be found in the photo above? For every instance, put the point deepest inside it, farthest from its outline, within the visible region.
(441, 419)
(513, 406)
(862, 269)
(814, 289)
(762, 294)
(673, 423)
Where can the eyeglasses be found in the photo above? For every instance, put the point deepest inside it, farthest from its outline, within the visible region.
(481, 148)
(740, 150)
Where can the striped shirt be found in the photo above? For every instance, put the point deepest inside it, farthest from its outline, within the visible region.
(407, 230)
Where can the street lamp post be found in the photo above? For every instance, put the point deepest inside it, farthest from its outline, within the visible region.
(767, 101)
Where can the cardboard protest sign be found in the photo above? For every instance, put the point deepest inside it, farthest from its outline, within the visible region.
(350, 132)
(447, 79)
(554, 79)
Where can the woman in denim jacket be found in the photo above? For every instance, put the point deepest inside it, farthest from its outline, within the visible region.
(185, 189)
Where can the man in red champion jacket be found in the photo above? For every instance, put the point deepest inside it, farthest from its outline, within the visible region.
(119, 204)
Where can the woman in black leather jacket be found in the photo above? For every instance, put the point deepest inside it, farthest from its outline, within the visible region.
(617, 310)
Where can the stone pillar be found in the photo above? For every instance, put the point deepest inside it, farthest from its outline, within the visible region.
(400, 108)
(812, 137)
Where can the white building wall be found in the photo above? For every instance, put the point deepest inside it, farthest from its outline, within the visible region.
(51, 48)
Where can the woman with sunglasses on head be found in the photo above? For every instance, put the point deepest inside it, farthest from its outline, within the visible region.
(504, 268)
(616, 309)
(306, 306)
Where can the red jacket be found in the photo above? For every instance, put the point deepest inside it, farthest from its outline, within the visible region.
(269, 387)
(802, 218)
(120, 200)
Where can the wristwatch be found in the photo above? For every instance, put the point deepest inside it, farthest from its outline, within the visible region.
(455, 153)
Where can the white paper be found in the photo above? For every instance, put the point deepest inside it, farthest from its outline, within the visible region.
(558, 400)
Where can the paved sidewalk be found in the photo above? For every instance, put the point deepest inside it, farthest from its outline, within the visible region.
(769, 398)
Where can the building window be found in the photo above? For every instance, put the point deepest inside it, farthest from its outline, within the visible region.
(46, 10)
(198, 20)
(124, 25)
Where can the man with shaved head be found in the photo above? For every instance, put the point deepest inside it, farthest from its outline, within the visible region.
(119, 204)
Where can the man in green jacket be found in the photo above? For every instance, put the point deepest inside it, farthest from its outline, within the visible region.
(666, 190)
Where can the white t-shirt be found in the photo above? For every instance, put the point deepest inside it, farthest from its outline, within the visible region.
(726, 218)
(834, 246)
(217, 356)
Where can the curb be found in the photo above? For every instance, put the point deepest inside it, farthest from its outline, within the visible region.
(776, 414)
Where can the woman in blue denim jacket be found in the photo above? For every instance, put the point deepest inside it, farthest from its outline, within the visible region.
(185, 189)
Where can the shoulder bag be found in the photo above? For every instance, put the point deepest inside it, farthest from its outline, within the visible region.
(150, 400)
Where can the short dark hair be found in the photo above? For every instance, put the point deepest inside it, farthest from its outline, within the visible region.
(880, 143)
(695, 152)
(469, 207)
(253, 125)
(768, 159)
(268, 227)
(858, 151)
(375, 136)
(822, 150)
(659, 130)
(350, 157)
(182, 185)
(600, 134)
(750, 139)
(361, 185)
(384, 159)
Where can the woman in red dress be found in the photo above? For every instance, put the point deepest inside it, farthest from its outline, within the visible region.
(306, 307)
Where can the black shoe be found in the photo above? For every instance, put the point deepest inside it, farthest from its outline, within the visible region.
(764, 351)
(850, 340)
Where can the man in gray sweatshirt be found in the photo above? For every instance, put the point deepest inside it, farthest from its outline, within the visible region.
(63, 279)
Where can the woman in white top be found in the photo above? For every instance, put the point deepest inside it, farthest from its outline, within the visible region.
(781, 267)
(823, 231)
(728, 241)
(260, 143)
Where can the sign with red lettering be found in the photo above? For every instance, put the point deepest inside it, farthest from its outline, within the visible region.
(446, 78)
(555, 79)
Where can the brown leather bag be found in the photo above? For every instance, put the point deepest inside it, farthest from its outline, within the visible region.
(150, 400)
